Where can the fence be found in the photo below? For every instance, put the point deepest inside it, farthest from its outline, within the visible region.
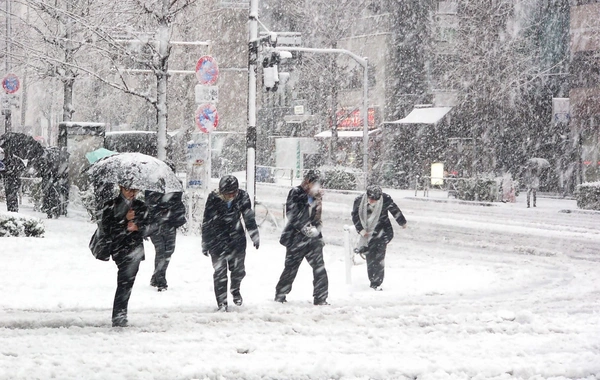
(449, 184)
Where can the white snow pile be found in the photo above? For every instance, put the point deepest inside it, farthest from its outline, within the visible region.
(470, 292)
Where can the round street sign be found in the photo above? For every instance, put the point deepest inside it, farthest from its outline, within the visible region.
(11, 83)
(207, 71)
(207, 118)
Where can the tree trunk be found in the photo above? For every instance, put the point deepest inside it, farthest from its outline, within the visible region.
(162, 78)
(69, 76)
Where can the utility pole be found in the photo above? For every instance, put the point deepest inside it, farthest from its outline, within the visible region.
(7, 67)
(253, 44)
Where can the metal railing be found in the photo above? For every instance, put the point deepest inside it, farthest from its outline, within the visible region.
(448, 184)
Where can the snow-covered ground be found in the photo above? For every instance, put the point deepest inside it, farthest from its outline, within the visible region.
(471, 292)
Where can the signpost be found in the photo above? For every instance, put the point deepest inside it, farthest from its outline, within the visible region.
(11, 83)
(206, 119)
(207, 71)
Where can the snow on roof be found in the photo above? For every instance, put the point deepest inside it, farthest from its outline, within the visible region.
(428, 115)
(129, 132)
(326, 134)
(82, 124)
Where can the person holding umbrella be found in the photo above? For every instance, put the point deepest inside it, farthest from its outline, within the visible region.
(122, 224)
(532, 177)
(224, 238)
(371, 220)
(124, 220)
(14, 168)
(19, 149)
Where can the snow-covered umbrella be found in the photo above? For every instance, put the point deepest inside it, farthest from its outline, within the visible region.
(137, 171)
(538, 162)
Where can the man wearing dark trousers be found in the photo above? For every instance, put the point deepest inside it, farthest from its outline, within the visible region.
(14, 168)
(166, 213)
(371, 220)
(303, 240)
(123, 222)
(224, 238)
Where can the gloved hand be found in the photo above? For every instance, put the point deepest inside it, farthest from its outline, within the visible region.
(205, 252)
(256, 243)
(310, 231)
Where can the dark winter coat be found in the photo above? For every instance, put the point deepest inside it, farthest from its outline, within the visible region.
(383, 230)
(165, 211)
(222, 228)
(114, 226)
(298, 214)
(13, 167)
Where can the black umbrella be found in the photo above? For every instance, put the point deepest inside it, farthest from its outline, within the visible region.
(21, 145)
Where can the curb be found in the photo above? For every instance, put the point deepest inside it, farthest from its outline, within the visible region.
(469, 203)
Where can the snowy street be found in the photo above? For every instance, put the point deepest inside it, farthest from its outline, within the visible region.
(471, 291)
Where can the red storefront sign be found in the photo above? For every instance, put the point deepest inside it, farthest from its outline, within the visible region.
(351, 120)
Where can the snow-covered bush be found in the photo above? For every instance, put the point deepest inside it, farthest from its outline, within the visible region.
(588, 195)
(19, 225)
(477, 189)
(338, 178)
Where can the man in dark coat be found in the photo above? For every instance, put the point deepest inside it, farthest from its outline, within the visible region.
(302, 239)
(123, 224)
(13, 169)
(370, 217)
(224, 238)
(55, 181)
(166, 213)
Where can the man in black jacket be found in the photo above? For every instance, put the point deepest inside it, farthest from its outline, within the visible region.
(123, 224)
(370, 217)
(14, 168)
(166, 213)
(224, 238)
(302, 239)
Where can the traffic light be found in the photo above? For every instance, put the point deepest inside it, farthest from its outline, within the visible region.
(270, 71)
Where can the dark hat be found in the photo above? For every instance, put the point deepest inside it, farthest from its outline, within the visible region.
(374, 192)
(312, 175)
(228, 184)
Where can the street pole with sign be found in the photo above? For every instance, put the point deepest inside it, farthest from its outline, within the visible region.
(253, 44)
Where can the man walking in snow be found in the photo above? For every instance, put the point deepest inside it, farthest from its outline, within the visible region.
(371, 220)
(224, 238)
(166, 213)
(123, 222)
(532, 179)
(302, 239)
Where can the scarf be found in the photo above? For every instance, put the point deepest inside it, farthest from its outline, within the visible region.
(369, 222)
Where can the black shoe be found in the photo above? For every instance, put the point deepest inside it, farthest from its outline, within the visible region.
(119, 322)
(237, 299)
(162, 288)
(222, 307)
(321, 303)
(376, 288)
(153, 283)
(280, 298)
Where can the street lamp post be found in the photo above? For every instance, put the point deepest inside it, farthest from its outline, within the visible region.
(364, 62)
